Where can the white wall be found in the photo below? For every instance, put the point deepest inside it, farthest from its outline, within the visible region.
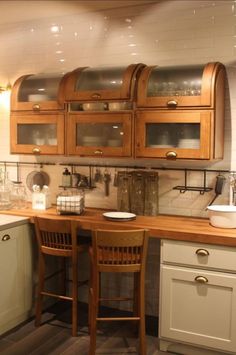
(165, 33)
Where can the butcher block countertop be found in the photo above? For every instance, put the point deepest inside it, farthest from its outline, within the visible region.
(161, 226)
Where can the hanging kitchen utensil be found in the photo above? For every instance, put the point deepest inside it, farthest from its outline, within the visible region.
(115, 181)
(98, 175)
(137, 192)
(220, 180)
(37, 177)
(123, 191)
(107, 180)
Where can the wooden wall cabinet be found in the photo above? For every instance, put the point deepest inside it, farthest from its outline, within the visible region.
(100, 134)
(197, 298)
(180, 112)
(133, 111)
(37, 133)
(180, 86)
(102, 83)
(178, 134)
(38, 115)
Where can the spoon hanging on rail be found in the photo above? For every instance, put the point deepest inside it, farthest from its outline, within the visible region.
(107, 180)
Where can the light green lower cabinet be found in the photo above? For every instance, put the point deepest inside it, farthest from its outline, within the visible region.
(15, 276)
(197, 299)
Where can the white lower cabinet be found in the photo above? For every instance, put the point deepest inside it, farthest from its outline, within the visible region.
(197, 298)
(15, 276)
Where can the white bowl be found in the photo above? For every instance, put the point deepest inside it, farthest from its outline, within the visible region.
(94, 106)
(222, 216)
(117, 106)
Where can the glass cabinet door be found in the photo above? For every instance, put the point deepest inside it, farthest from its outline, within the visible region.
(38, 92)
(179, 135)
(99, 135)
(37, 135)
(101, 83)
(177, 86)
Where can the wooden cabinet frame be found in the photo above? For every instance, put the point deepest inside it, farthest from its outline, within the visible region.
(124, 93)
(58, 104)
(212, 73)
(126, 119)
(31, 119)
(204, 118)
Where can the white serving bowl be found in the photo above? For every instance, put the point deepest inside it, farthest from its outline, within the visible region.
(118, 106)
(222, 216)
(94, 106)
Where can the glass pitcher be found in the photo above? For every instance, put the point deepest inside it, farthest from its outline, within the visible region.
(5, 191)
(18, 195)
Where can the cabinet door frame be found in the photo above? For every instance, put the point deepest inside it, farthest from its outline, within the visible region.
(124, 93)
(126, 119)
(206, 99)
(204, 118)
(26, 118)
(168, 325)
(58, 104)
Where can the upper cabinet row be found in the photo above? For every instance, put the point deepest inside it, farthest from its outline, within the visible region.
(136, 111)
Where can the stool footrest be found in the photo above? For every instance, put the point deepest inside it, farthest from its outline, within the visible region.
(117, 318)
(56, 296)
(116, 299)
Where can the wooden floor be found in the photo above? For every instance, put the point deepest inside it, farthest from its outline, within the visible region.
(54, 336)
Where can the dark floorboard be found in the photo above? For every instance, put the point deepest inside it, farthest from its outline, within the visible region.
(53, 337)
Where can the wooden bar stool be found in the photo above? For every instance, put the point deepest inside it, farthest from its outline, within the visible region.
(58, 238)
(120, 251)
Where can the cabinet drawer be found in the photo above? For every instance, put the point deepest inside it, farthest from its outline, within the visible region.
(198, 255)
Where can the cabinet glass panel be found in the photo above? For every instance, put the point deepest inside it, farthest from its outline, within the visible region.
(37, 134)
(179, 135)
(99, 134)
(91, 79)
(175, 81)
(37, 88)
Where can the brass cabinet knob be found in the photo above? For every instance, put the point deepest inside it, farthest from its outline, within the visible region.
(36, 150)
(172, 103)
(36, 107)
(202, 252)
(201, 279)
(98, 152)
(171, 155)
(6, 237)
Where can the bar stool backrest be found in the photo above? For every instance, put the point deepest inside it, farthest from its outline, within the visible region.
(54, 236)
(120, 250)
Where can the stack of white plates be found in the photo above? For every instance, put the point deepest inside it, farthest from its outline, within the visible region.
(93, 141)
(192, 143)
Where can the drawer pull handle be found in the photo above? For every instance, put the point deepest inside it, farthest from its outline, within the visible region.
(171, 155)
(172, 103)
(98, 152)
(6, 237)
(36, 107)
(201, 279)
(95, 96)
(36, 150)
(202, 252)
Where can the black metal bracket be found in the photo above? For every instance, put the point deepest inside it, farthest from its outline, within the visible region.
(202, 189)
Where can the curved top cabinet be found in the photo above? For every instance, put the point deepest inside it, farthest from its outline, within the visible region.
(38, 92)
(102, 83)
(183, 86)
